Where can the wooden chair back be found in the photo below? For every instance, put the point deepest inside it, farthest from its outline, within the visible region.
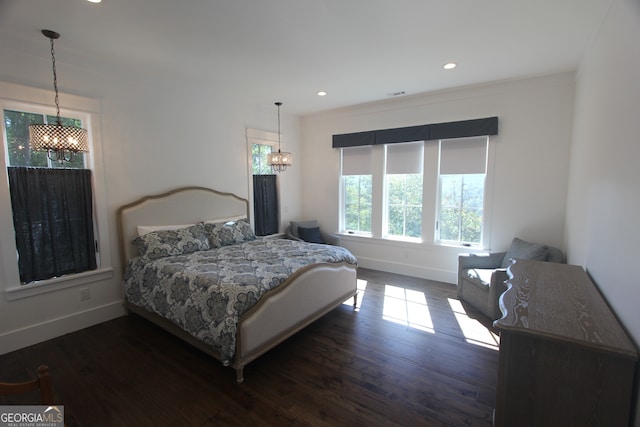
(43, 382)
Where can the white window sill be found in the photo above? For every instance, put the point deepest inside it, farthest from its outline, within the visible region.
(409, 242)
(64, 282)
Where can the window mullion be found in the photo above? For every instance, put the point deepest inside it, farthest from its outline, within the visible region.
(461, 209)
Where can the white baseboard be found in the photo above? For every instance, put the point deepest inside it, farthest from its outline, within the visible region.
(33, 334)
(409, 270)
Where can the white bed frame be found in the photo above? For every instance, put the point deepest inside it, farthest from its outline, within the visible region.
(303, 298)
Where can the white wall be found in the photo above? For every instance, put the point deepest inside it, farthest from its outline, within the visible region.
(158, 132)
(530, 158)
(603, 207)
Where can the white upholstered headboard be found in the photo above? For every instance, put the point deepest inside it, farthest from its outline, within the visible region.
(185, 205)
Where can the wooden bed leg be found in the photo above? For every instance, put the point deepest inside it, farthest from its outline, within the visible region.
(240, 375)
(355, 300)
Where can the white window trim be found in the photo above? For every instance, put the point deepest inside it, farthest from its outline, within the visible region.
(25, 98)
(385, 216)
(486, 208)
(64, 282)
(262, 137)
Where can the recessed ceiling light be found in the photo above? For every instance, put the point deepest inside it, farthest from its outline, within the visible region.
(321, 93)
(94, 1)
(449, 66)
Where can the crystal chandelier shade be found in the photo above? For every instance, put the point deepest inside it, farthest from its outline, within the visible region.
(281, 160)
(62, 142)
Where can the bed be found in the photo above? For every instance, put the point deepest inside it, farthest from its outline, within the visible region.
(230, 294)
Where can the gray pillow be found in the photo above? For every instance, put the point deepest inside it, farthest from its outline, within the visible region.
(310, 234)
(525, 250)
(307, 224)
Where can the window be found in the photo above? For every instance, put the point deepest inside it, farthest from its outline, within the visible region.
(424, 191)
(259, 154)
(357, 190)
(263, 188)
(20, 106)
(461, 202)
(52, 205)
(404, 205)
(403, 190)
(357, 204)
(17, 142)
(461, 190)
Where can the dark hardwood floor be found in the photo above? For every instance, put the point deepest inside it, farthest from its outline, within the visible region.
(408, 356)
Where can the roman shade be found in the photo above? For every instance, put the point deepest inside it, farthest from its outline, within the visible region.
(463, 156)
(356, 161)
(405, 158)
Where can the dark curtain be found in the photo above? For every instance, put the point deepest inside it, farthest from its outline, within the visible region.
(53, 219)
(265, 204)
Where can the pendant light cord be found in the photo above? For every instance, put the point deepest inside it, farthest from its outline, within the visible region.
(55, 83)
(278, 104)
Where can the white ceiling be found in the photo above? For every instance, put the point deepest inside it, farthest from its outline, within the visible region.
(357, 50)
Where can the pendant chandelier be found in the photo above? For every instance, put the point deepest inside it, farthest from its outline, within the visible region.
(61, 142)
(280, 160)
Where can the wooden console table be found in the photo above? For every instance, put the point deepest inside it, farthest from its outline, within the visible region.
(564, 358)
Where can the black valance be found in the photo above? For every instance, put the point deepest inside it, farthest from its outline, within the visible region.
(354, 139)
(459, 129)
(408, 134)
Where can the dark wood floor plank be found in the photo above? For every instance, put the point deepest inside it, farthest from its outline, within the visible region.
(349, 368)
(396, 376)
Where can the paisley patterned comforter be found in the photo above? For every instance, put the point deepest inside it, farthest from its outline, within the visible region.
(206, 292)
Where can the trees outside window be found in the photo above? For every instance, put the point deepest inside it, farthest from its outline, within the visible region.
(357, 192)
(404, 205)
(259, 154)
(461, 207)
